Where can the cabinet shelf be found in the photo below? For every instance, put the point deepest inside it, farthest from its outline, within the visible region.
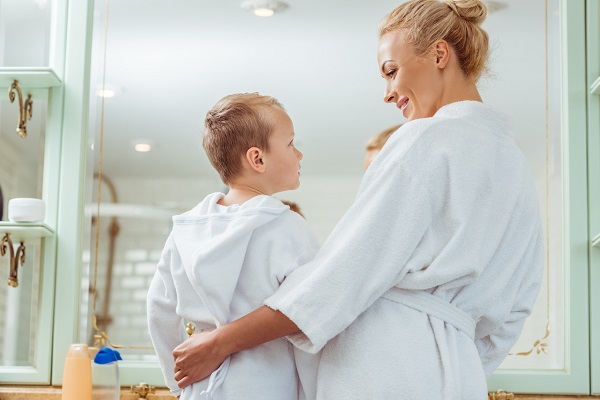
(29, 78)
(22, 231)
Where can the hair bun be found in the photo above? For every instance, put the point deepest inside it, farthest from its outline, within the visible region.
(474, 11)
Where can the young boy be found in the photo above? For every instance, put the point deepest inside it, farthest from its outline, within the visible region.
(231, 252)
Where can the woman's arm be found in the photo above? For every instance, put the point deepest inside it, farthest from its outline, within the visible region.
(202, 353)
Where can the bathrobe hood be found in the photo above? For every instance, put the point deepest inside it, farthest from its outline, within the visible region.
(212, 241)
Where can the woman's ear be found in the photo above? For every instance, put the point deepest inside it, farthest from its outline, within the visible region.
(254, 158)
(442, 53)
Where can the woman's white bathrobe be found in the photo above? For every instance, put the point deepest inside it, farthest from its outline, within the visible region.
(220, 263)
(449, 208)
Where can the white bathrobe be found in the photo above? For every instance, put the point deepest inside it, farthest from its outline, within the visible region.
(218, 264)
(447, 208)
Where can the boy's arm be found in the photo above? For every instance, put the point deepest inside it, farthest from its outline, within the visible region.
(201, 354)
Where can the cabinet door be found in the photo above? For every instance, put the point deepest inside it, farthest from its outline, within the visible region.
(552, 354)
(593, 86)
(32, 37)
(26, 309)
(27, 265)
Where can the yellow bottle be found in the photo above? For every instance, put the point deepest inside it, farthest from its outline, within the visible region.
(77, 376)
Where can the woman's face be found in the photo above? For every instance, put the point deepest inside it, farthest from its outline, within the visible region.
(412, 83)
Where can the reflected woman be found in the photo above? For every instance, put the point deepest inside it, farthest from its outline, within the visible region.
(404, 295)
(376, 143)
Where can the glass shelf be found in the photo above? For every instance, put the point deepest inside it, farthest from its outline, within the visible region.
(29, 78)
(20, 231)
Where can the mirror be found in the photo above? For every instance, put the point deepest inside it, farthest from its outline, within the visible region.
(161, 69)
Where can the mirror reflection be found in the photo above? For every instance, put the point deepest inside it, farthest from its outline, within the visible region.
(158, 70)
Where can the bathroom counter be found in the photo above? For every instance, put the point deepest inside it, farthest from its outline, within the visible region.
(54, 393)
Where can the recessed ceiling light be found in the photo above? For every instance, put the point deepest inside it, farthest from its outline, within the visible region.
(263, 12)
(264, 8)
(106, 93)
(143, 147)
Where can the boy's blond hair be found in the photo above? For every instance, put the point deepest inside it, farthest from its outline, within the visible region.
(236, 123)
(376, 142)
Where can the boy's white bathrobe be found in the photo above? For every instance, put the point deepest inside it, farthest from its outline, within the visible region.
(220, 263)
(447, 208)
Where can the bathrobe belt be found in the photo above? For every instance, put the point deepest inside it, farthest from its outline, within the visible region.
(433, 306)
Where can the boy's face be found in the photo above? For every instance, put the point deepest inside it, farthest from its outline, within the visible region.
(282, 159)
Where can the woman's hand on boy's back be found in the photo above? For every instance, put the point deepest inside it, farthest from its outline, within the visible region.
(204, 352)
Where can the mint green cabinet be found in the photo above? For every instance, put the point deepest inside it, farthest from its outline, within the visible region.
(593, 119)
(32, 53)
(566, 342)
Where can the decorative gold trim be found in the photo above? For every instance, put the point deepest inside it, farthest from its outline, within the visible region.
(15, 258)
(539, 346)
(25, 108)
(501, 395)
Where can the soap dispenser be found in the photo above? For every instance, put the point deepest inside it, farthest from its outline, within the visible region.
(105, 375)
(77, 375)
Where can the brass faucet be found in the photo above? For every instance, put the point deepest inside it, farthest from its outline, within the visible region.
(143, 390)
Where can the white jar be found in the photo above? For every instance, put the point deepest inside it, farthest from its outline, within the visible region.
(26, 210)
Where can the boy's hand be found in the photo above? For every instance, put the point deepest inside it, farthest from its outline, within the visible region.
(196, 358)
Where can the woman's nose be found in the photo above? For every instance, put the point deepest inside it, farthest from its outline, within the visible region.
(299, 154)
(389, 96)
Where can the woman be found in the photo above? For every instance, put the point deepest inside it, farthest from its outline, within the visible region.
(423, 286)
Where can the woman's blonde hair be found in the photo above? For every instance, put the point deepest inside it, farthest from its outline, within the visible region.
(236, 123)
(458, 22)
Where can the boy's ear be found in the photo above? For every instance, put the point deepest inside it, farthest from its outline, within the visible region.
(442, 53)
(254, 157)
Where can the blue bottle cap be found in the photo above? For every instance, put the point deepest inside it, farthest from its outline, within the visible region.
(107, 355)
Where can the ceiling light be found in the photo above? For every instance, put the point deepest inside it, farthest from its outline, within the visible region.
(143, 147)
(263, 12)
(106, 93)
(264, 8)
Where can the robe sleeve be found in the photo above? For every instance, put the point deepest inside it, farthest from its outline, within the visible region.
(163, 321)
(368, 252)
